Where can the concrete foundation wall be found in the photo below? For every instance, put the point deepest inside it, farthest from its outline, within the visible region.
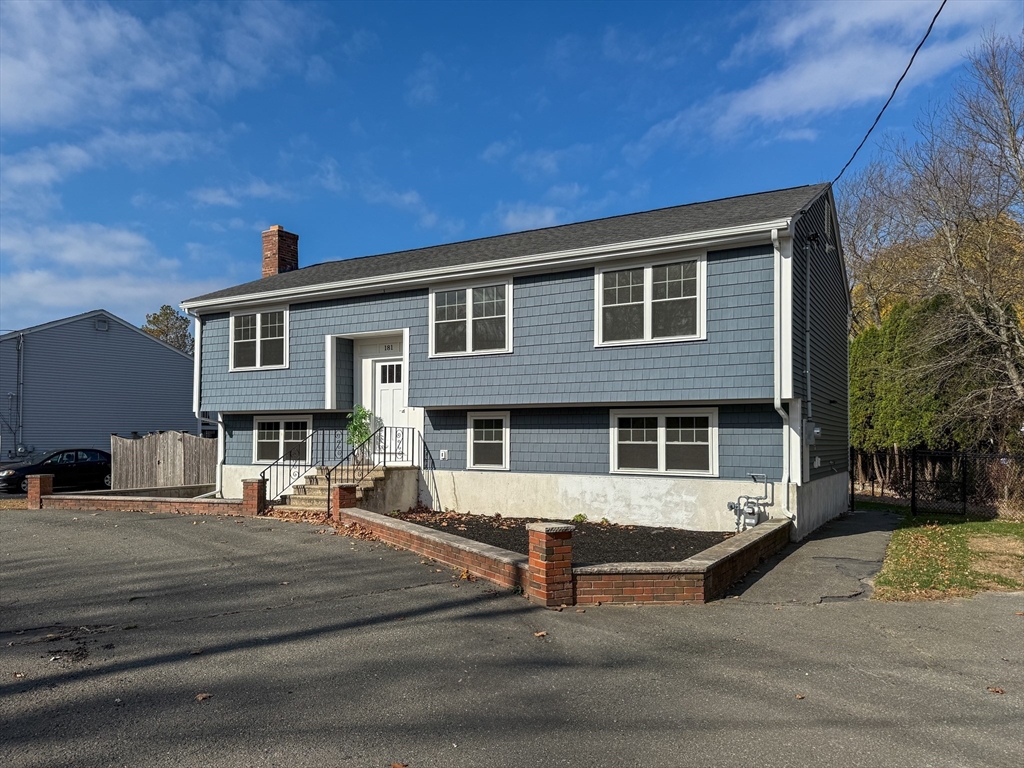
(399, 490)
(820, 501)
(234, 474)
(696, 503)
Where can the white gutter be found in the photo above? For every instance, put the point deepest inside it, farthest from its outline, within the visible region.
(777, 376)
(546, 261)
(197, 356)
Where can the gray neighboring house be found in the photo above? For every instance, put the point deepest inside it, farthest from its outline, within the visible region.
(638, 367)
(72, 382)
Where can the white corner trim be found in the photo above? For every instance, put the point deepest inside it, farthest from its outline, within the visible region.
(330, 388)
(506, 419)
(197, 358)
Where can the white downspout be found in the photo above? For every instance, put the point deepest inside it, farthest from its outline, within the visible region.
(216, 492)
(777, 376)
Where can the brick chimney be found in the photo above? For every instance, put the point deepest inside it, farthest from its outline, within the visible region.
(280, 251)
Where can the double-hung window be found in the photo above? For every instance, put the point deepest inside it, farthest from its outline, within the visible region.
(276, 437)
(651, 303)
(473, 320)
(487, 440)
(681, 441)
(259, 339)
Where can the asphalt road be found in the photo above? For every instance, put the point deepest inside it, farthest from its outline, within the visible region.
(319, 650)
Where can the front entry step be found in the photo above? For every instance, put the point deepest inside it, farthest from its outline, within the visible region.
(311, 493)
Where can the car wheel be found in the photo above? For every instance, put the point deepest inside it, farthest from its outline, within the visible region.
(106, 480)
(24, 485)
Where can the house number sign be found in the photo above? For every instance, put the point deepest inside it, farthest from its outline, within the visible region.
(387, 347)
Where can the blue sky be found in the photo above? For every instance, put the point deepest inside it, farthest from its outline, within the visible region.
(145, 145)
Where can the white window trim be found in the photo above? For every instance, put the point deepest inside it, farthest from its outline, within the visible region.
(661, 413)
(280, 441)
(259, 327)
(468, 288)
(700, 258)
(505, 436)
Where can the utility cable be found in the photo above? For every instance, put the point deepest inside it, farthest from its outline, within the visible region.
(893, 94)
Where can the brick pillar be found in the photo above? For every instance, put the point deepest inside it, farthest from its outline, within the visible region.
(550, 581)
(254, 497)
(342, 497)
(38, 486)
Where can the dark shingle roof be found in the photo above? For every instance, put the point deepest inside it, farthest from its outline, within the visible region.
(681, 219)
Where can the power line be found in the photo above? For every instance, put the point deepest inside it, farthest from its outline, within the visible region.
(893, 94)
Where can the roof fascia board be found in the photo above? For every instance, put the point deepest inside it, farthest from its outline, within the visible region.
(530, 264)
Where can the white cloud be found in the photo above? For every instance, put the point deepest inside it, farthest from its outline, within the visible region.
(27, 178)
(516, 217)
(55, 271)
(412, 202)
(233, 195)
(359, 42)
(565, 193)
(541, 163)
(825, 58)
(63, 63)
(497, 150)
(423, 84)
(214, 196)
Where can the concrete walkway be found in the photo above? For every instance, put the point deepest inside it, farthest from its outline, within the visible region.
(318, 650)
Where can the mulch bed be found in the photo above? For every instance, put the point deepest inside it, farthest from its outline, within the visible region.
(592, 543)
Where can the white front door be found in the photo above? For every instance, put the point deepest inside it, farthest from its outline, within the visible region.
(389, 392)
(389, 406)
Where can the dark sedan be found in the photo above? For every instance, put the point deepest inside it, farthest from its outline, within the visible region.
(71, 468)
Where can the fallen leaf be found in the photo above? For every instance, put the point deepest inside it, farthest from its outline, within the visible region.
(465, 574)
(581, 610)
(540, 634)
(1019, 613)
(285, 582)
(196, 652)
(203, 696)
(991, 689)
(399, 765)
(19, 674)
(800, 696)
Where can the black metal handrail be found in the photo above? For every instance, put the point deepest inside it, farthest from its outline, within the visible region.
(384, 445)
(320, 448)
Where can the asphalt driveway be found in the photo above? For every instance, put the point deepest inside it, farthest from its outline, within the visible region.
(319, 650)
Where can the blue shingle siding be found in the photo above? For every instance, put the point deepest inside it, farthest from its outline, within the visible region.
(554, 359)
(300, 386)
(829, 339)
(238, 445)
(577, 440)
(343, 374)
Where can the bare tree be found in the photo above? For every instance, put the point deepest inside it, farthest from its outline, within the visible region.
(942, 216)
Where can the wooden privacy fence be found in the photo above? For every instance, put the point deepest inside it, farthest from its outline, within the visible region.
(161, 460)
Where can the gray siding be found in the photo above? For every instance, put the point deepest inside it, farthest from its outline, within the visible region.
(301, 385)
(238, 445)
(554, 359)
(829, 339)
(82, 384)
(577, 440)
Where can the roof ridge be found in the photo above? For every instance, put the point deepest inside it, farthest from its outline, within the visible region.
(567, 224)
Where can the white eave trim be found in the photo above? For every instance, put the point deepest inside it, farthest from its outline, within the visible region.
(547, 261)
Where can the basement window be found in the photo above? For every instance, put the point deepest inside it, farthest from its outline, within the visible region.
(679, 441)
(487, 436)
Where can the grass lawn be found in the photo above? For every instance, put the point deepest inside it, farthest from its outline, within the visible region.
(937, 556)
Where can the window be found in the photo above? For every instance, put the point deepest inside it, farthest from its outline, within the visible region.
(488, 440)
(659, 302)
(258, 340)
(674, 442)
(474, 320)
(275, 437)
